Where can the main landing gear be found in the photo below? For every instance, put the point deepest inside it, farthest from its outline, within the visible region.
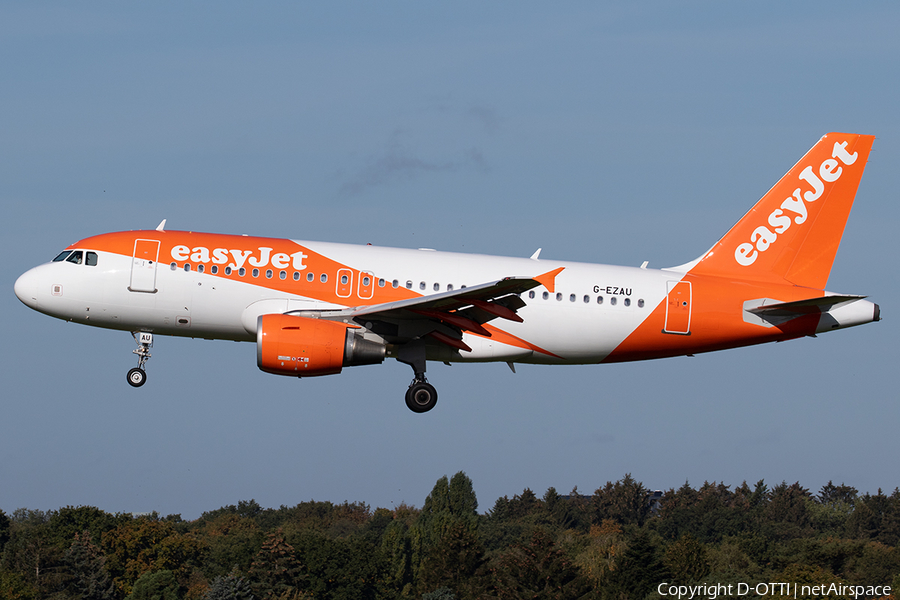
(421, 395)
(137, 376)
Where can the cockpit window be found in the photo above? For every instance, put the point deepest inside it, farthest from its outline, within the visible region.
(62, 256)
(91, 259)
(76, 257)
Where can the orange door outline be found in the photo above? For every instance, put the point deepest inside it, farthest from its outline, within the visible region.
(678, 308)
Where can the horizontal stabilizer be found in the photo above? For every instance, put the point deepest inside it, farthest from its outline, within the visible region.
(803, 307)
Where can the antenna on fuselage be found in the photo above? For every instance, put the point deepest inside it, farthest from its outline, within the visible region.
(161, 226)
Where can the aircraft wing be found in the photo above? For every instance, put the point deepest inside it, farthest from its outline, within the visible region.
(445, 316)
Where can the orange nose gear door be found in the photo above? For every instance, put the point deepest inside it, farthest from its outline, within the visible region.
(678, 308)
(143, 266)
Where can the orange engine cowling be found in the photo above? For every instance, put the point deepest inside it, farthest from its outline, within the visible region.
(304, 347)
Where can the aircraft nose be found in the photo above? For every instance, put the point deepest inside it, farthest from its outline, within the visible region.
(26, 288)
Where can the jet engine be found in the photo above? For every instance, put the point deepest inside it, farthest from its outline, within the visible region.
(304, 347)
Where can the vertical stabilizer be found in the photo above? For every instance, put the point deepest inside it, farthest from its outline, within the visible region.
(794, 231)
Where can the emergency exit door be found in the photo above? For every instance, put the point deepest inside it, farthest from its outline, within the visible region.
(143, 266)
(678, 308)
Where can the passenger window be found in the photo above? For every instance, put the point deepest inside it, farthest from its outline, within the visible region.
(395, 284)
(242, 271)
(75, 258)
(296, 275)
(255, 272)
(612, 301)
(571, 297)
(641, 303)
(310, 276)
(173, 266)
(381, 283)
(531, 294)
(437, 287)
(91, 259)
(282, 275)
(228, 270)
(599, 299)
(559, 296)
(545, 295)
(449, 287)
(587, 298)
(214, 269)
(627, 301)
(187, 266)
(422, 285)
(199, 268)
(268, 273)
(324, 278)
(62, 256)
(408, 285)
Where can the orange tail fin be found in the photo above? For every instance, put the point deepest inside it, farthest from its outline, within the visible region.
(794, 231)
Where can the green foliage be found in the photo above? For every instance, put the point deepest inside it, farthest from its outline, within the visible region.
(275, 570)
(454, 563)
(538, 569)
(686, 560)
(639, 572)
(149, 544)
(877, 518)
(86, 564)
(624, 501)
(158, 585)
(340, 568)
(440, 594)
(4, 530)
(608, 545)
(229, 587)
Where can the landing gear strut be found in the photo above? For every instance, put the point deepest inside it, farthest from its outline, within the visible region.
(421, 395)
(137, 376)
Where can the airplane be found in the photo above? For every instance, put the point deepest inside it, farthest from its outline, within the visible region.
(313, 308)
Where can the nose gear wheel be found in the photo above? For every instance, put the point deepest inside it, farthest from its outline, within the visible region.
(137, 376)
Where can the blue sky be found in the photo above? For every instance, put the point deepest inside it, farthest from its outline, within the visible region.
(612, 133)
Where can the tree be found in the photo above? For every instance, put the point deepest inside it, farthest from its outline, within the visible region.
(4, 530)
(158, 585)
(229, 587)
(450, 505)
(624, 502)
(606, 545)
(276, 569)
(148, 544)
(90, 579)
(786, 515)
(454, 563)
(686, 560)
(640, 570)
(537, 569)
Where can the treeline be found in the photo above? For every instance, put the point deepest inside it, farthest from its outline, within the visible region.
(619, 543)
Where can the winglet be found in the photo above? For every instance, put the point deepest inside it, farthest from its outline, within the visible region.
(161, 226)
(536, 254)
(548, 279)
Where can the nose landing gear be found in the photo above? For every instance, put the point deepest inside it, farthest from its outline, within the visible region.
(137, 376)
